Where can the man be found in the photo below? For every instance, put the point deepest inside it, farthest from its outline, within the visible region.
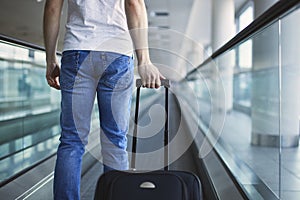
(97, 60)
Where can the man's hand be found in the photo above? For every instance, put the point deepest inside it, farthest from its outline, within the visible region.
(150, 75)
(52, 75)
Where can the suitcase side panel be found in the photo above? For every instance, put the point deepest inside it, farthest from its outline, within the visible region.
(194, 191)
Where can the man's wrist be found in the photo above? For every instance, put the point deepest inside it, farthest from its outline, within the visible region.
(144, 61)
(51, 60)
(143, 57)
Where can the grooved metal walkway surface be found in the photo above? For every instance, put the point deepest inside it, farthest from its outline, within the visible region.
(184, 162)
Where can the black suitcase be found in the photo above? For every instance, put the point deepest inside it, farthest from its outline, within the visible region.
(154, 185)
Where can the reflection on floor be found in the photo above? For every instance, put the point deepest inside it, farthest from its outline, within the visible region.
(278, 170)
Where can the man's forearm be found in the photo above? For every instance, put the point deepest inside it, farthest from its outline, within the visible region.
(138, 25)
(52, 13)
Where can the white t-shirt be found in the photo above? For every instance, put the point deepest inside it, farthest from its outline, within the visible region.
(98, 25)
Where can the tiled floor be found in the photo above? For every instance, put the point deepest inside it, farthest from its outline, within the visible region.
(278, 170)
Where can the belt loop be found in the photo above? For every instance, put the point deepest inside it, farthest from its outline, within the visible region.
(103, 56)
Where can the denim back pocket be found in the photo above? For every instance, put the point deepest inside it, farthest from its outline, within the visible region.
(119, 73)
(69, 69)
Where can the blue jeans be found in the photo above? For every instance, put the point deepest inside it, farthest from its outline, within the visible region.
(85, 74)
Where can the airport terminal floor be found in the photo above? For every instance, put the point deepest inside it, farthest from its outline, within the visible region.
(234, 115)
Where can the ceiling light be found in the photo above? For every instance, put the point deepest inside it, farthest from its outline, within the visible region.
(159, 13)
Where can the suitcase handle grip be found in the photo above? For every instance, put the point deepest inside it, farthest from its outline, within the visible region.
(164, 82)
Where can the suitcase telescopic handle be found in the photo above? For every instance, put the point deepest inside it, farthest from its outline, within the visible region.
(166, 84)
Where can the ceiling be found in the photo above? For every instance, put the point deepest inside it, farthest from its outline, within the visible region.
(23, 19)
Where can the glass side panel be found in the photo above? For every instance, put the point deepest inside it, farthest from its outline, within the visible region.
(290, 106)
(29, 110)
(252, 110)
(265, 108)
(29, 119)
(259, 140)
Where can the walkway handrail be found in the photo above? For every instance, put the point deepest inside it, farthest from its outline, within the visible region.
(22, 43)
(273, 13)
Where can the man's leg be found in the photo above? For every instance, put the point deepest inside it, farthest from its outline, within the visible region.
(78, 94)
(114, 94)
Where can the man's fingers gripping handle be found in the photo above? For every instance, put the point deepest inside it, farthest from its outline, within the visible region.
(164, 82)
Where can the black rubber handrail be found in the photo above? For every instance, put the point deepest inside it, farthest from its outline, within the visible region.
(273, 13)
(22, 43)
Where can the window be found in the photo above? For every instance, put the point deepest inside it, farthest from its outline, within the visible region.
(244, 51)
